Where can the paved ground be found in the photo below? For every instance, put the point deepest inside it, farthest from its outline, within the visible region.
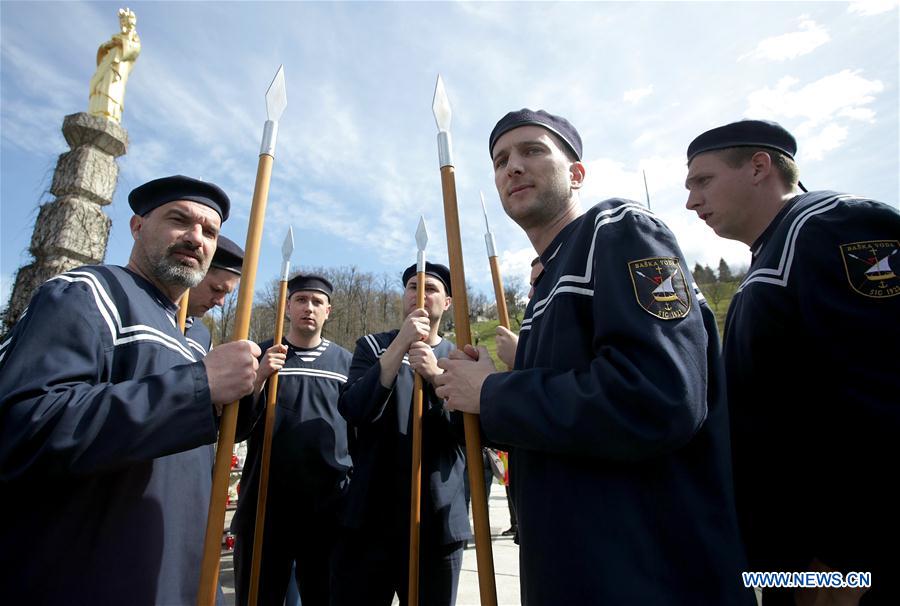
(506, 561)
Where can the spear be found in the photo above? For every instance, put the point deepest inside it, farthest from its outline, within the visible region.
(646, 189)
(441, 108)
(416, 479)
(286, 249)
(502, 312)
(182, 310)
(276, 101)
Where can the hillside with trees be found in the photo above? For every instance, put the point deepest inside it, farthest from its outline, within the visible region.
(365, 303)
(718, 287)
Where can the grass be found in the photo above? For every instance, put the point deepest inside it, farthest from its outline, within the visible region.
(718, 297)
(485, 334)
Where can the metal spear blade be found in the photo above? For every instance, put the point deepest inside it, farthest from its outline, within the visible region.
(440, 106)
(287, 248)
(276, 96)
(487, 225)
(421, 234)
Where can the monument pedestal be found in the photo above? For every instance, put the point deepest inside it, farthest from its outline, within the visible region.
(73, 229)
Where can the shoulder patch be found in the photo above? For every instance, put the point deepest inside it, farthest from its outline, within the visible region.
(868, 269)
(660, 287)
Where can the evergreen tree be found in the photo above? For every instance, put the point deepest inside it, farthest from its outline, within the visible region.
(724, 271)
(703, 275)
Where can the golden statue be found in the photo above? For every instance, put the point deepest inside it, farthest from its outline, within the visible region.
(115, 59)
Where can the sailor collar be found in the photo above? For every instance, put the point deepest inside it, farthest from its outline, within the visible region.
(760, 242)
(155, 293)
(557, 243)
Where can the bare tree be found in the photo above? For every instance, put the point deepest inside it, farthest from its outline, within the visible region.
(220, 321)
(361, 303)
(514, 291)
(715, 293)
(480, 306)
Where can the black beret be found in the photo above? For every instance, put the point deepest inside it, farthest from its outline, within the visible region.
(441, 272)
(310, 282)
(746, 133)
(229, 256)
(558, 125)
(154, 194)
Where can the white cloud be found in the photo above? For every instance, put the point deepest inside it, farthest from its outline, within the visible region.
(33, 108)
(647, 136)
(842, 94)
(821, 108)
(665, 180)
(701, 245)
(356, 161)
(636, 94)
(608, 178)
(816, 144)
(516, 264)
(867, 8)
(790, 46)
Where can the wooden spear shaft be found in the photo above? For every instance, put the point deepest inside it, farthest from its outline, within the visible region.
(502, 311)
(442, 115)
(182, 311)
(276, 101)
(271, 398)
(491, 247)
(415, 493)
(209, 572)
(483, 551)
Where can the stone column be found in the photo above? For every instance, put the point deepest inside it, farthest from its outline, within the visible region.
(73, 229)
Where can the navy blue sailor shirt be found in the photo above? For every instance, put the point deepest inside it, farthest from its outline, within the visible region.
(198, 336)
(381, 447)
(310, 460)
(106, 426)
(617, 426)
(812, 357)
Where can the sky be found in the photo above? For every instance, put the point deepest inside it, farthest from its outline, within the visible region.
(356, 160)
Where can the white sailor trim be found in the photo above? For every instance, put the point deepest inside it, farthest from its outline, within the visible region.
(779, 276)
(313, 372)
(698, 293)
(110, 315)
(606, 217)
(312, 355)
(376, 348)
(196, 345)
(3, 348)
(555, 252)
(4, 345)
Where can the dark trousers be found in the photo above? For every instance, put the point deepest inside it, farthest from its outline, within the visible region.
(513, 522)
(370, 568)
(290, 537)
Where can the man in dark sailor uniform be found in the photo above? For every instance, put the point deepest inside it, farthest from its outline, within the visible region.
(812, 361)
(614, 415)
(220, 281)
(372, 559)
(106, 417)
(310, 463)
